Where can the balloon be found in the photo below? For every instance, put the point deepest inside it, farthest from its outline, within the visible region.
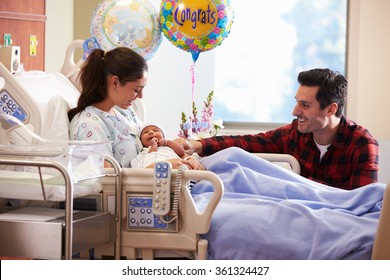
(196, 26)
(127, 23)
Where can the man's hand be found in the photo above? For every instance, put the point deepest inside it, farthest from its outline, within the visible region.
(191, 146)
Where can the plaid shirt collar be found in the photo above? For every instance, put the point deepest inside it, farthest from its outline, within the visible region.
(342, 132)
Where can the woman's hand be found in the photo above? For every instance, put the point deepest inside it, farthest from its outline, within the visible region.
(191, 162)
(194, 163)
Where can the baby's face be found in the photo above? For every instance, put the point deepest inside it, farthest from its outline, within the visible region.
(149, 134)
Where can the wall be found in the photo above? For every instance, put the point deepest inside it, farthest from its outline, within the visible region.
(368, 71)
(23, 20)
(169, 89)
(83, 11)
(59, 32)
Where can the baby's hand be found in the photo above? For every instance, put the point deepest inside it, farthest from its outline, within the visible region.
(162, 142)
(154, 142)
(153, 145)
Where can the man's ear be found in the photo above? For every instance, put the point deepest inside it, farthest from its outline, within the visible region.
(332, 108)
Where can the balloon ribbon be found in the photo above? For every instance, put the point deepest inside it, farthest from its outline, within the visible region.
(192, 70)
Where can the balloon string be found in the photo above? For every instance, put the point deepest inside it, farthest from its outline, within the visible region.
(192, 70)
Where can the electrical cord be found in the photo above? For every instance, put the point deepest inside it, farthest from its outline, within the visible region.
(176, 196)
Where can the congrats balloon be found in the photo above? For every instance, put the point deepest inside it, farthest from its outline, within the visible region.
(196, 26)
(127, 23)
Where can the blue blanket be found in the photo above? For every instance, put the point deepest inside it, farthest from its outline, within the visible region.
(268, 212)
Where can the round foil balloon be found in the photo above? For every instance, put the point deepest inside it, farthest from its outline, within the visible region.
(127, 23)
(196, 26)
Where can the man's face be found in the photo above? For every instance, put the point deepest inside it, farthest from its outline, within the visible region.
(307, 110)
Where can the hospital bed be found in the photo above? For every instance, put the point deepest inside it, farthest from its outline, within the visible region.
(184, 237)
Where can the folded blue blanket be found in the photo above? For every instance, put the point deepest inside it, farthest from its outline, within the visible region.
(268, 212)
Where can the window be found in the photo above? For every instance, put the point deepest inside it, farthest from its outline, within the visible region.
(270, 42)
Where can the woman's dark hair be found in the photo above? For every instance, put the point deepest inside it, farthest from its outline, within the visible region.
(123, 62)
(333, 87)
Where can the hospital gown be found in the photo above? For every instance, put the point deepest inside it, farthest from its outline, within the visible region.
(120, 130)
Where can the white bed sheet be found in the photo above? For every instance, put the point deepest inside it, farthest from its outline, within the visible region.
(54, 95)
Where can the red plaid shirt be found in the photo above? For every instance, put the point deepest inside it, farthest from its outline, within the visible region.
(350, 162)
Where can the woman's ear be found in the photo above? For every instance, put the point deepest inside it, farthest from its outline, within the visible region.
(114, 81)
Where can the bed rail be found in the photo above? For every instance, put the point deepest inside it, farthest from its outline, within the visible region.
(381, 250)
(183, 234)
(281, 159)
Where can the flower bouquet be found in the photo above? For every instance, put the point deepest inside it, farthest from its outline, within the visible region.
(194, 128)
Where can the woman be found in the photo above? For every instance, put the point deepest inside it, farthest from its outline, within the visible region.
(110, 81)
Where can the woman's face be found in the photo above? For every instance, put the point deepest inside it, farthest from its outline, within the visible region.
(125, 94)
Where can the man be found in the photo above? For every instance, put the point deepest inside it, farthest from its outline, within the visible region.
(330, 148)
